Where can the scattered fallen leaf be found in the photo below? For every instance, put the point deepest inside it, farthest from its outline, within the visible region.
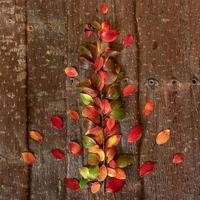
(110, 153)
(56, 121)
(178, 158)
(95, 187)
(163, 137)
(74, 115)
(114, 185)
(105, 25)
(148, 109)
(146, 168)
(104, 8)
(35, 135)
(135, 133)
(129, 89)
(58, 154)
(28, 157)
(71, 72)
(72, 183)
(75, 148)
(128, 40)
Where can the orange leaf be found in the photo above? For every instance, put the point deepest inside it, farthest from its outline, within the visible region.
(35, 135)
(111, 172)
(71, 72)
(97, 150)
(110, 153)
(120, 174)
(75, 148)
(28, 157)
(102, 173)
(95, 187)
(149, 107)
(74, 115)
(91, 113)
(163, 137)
(129, 89)
(113, 141)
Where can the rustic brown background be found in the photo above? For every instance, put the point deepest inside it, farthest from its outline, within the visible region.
(38, 38)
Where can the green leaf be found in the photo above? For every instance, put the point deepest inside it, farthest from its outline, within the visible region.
(84, 51)
(93, 159)
(93, 172)
(88, 141)
(113, 92)
(118, 114)
(116, 104)
(84, 172)
(83, 182)
(86, 99)
(124, 160)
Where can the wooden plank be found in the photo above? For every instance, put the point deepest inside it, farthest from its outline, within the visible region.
(55, 32)
(13, 173)
(169, 74)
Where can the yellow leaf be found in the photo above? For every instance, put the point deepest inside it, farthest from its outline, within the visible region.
(35, 135)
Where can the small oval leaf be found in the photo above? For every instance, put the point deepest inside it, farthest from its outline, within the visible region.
(28, 157)
(146, 168)
(124, 160)
(163, 137)
(71, 72)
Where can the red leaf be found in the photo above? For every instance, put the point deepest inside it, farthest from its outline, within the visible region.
(91, 92)
(57, 153)
(109, 35)
(75, 148)
(178, 158)
(105, 106)
(135, 133)
(72, 183)
(56, 121)
(128, 40)
(71, 72)
(104, 8)
(88, 33)
(92, 114)
(148, 109)
(74, 115)
(146, 168)
(113, 131)
(99, 62)
(114, 184)
(105, 25)
(112, 164)
(129, 89)
(110, 123)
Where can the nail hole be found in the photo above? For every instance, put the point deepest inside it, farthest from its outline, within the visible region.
(155, 45)
(30, 28)
(194, 81)
(153, 82)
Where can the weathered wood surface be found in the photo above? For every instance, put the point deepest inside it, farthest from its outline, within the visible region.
(163, 63)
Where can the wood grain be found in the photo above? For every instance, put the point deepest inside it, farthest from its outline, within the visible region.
(13, 115)
(40, 38)
(169, 74)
